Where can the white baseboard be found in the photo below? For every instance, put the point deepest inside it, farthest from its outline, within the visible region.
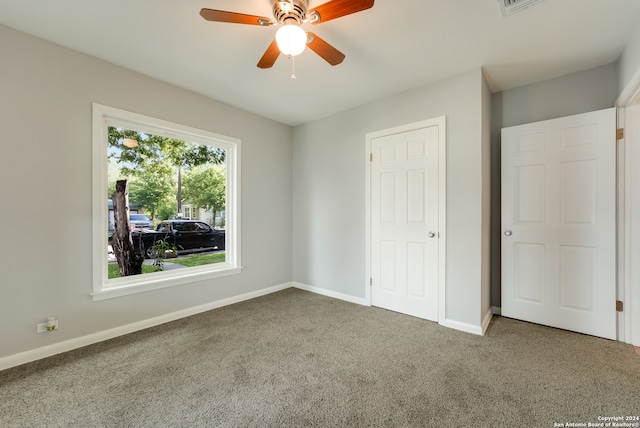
(79, 342)
(497, 310)
(456, 325)
(463, 326)
(340, 296)
(486, 320)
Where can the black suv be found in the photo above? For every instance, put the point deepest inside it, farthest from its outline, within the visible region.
(187, 235)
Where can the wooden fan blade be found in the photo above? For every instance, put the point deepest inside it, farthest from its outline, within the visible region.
(330, 54)
(233, 17)
(270, 56)
(338, 8)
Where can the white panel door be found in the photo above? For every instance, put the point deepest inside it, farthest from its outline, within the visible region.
(558, 223)
(404, 222)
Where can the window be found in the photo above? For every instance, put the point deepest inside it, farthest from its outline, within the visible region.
(154, 140)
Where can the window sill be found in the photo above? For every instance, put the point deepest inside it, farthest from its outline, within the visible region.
(128, 286)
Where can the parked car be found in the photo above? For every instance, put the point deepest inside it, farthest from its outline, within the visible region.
(187, 235)
(140, 221)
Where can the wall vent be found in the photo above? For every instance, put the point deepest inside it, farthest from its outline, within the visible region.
(509, 7)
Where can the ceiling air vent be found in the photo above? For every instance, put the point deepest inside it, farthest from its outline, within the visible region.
(509, 7)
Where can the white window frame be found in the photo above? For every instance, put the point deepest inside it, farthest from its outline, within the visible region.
(104, 117)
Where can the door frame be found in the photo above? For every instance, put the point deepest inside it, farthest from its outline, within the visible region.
(441, 123)
(628, 291)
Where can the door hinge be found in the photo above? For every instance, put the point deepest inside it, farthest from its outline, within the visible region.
(619, 133)
(370, 157)
(619, 306)
(371, 282)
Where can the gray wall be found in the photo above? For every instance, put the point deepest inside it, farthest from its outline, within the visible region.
(45, 171)
(575, 93)
(329, 157)
(629, 61)
(486, 200)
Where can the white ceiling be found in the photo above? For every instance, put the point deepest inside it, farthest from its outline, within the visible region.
(395, 46)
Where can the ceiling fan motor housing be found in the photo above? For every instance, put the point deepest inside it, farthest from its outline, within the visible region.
(290, 9)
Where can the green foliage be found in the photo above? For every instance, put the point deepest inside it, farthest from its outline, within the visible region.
(113, 175)
(152, 189)
(159, 252)
(155, 163)
(167, 210)
(115, 273)
(154, 151)
(129, 159)
(205, 188)
(201, 259)
(185, 155)
(193, 260)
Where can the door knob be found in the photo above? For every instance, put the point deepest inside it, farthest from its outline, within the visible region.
(508, 233)
(431, 234)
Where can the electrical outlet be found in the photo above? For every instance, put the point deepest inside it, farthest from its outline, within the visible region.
(50, 325)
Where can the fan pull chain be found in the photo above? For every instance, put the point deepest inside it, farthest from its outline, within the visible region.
(293, 66)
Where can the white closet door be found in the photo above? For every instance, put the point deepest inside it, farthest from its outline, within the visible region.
(558, 223)
(404, 222)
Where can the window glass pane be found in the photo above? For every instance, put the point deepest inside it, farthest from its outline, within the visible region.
(162, 175)
(155, 183)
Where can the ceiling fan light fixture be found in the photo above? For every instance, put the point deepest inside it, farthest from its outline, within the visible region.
(291, 39)
(130, 142)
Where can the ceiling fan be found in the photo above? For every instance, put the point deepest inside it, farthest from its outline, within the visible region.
(289, 15)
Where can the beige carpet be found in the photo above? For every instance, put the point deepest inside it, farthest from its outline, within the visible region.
(296, 359)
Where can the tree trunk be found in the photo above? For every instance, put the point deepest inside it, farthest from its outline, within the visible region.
(128, 257)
